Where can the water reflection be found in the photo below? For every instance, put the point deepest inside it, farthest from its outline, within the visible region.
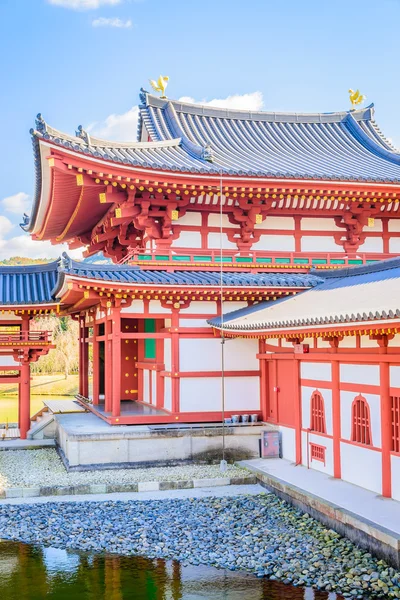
(33, 573)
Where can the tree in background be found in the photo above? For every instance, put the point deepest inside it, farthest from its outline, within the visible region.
(65, 356)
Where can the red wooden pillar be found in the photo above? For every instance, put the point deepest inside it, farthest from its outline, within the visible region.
(386, 429)
(116, 361)
(297, 408)
(85, 361)
(25, 399)
(96, 367)
(263, 382)
(175, 386)
(108, 371)
(336, 426)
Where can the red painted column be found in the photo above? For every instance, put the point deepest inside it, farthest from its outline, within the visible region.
(80, 358)
(297, 408)
(175, 361)
(25, 399)
(96, 366)
(85, 361)
(116, 361)
(108, 371)
(386, 429)
(336, 426)
(263, 381)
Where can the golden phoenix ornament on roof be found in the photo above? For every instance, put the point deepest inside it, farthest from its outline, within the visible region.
(160, 85)
(356, 98)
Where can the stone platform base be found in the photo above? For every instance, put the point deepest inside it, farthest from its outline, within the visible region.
(86, 442)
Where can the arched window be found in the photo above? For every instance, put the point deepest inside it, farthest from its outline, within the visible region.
(361, 421)
(317, 413)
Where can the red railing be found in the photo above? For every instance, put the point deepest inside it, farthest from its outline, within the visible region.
(258, 259)
(18, 337)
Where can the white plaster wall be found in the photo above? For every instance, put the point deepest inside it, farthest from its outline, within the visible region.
(135, 308)
(321, 441)
(205, 354)
(156, 308)
(368, 374)
(378, 226)
(100, 314)
(320, 243)
(187, 239)
(146, 386)
(394, 245)
(214, 241)
(395, 461)
(395, 341)
(361, 466)
(366, 342)
(276, 243)
(318, 224)
(191, 218)
(322, 343)
(167, 393)
(201, 308)
(394, 225)
(7, 361)
(306, 393)
(346, 401)
(372, 244)
(167, 354)
(288, 438)
(348, 342)
(203, 394)
(276, 223)
(394, 373)
(214, 220)
(193, 323)
(321, 371)
(153, 376)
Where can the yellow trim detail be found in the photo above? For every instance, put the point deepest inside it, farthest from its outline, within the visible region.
(79, 180)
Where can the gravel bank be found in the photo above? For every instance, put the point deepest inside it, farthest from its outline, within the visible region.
(260, 534)
(36, 468)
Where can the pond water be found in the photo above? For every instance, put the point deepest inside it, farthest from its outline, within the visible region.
(9, 406)
(33, 573)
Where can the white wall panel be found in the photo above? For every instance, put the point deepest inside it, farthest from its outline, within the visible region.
(395, 341)
(276, 243)
(321, 371)
(167, 354)
(135, 308)
(146, 387)
(394, 245)
(318, 224)
(276, 223)
(366, 342)
(327, 443)
(346, 401)
(288, 437)
(242, 393)
(194, 323)
(368, 374)
(156, 308)
(320, 243)
(186, 239)
(214, 220)
(153, 375)
(361, 466)
(394, 225)
(7, 361)
(394, 376)
(372, 244)
(167, 393)
(202, 394)
(201, 308)
(191, 218)
(214, 241)
(395, 477)
(205, 354)
(348, 342)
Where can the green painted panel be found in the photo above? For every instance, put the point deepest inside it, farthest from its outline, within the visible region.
(181, 258)
(261, 259)
(149, 344)
(162, 257)
(225, 259)
(244, 259)
(355, 262)
(282, 261)
(337, 261)
(145, 257)
(202, 258)
(319, 261)
(301, 261)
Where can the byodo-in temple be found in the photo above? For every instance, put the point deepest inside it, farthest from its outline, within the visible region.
(276, 234)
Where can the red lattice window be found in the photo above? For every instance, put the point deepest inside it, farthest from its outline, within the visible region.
(395, 423)
(317, 452)
(361, 421)
(317, 413)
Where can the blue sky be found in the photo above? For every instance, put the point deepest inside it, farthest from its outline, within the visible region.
(84, 61)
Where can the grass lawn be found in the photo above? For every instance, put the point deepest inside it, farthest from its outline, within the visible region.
(49, 385)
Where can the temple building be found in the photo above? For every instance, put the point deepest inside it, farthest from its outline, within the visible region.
(263, 231)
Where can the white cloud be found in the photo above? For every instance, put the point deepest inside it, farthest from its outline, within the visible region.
(83, 4)
(123, 128)
(23, 245)
(253, 101)
(5, 225)
(114, 22)
(18, 203)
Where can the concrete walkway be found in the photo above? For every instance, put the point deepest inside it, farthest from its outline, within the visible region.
(382, 511)
(371, 521)
(217, 491)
